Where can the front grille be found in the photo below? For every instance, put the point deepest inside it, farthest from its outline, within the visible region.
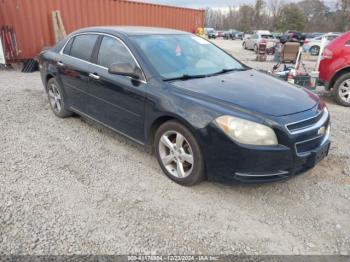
(310, 128)
(304, 124)
(308, 145)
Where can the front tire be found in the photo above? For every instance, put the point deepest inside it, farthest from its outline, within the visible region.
(342, 90)
(57, 99)
(244, 45)
(178, 154)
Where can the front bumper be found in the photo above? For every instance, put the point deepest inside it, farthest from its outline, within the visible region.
(227, 161)
(300, 165)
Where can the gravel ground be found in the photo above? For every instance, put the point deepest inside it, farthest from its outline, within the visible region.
(73, 187)
(248, 56)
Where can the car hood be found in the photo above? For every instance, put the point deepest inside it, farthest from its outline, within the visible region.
(253, 91)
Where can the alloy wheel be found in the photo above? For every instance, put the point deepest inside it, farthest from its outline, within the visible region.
(314, 50)
(176, 154)
(55, 98)
(344, 91)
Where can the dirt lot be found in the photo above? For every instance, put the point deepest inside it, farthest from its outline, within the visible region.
(70, 186)
(248, 56)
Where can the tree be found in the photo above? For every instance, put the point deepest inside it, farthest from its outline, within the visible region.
(292, 18)
(258, 9)
(308, 15)
(343, 15)
(214, 18)
(246, 14)
(316, 13)
(275, 7)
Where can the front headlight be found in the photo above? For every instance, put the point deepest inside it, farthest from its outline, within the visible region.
(247, 132)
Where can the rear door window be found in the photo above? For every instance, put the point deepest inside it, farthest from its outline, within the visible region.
(331, 37)
(113, 51)
(83, 46)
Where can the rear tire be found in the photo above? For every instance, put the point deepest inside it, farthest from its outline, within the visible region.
(57, 99)
(341, 90)
(178, 154)
(314, 50)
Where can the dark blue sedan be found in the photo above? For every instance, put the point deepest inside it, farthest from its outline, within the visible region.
(203, 113)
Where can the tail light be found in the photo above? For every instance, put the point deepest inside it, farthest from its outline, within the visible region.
(306, 41)
(327, 54)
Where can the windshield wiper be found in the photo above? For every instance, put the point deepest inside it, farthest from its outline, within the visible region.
(225, 70)
(184, 77)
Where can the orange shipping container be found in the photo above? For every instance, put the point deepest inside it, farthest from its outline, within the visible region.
(32, 22)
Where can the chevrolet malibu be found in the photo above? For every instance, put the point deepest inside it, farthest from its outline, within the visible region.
(203, 113)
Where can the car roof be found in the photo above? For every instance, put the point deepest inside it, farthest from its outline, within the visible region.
(263, 32)
(132, 30)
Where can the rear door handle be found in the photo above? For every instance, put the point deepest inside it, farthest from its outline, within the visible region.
(94, 76)
(59, 63)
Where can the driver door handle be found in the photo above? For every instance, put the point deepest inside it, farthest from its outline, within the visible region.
(94, 76)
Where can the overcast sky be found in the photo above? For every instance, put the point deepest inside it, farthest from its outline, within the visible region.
(201, 3)
(217, 3)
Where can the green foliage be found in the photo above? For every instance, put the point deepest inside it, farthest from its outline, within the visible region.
(292, 17)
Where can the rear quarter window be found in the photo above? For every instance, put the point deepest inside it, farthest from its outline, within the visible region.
(82, 46)
(68, 47)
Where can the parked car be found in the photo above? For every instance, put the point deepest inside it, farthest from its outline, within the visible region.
(220, 34)
(277, 35)
(335, 68)
(247, 35)
(312, 35)
(292, 36)
(252, 42)
(313, 46)
(203, 113)
(207, 29)
(230, 34)
(233, 34)
(238, 35)
(212, 34)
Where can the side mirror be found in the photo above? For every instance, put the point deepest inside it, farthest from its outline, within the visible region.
(125, 69)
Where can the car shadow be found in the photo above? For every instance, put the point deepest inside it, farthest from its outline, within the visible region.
(209, 186)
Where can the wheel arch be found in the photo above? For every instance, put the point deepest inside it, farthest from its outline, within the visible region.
(47, 79)
(337, 75)
(158, 121)
(315, 45)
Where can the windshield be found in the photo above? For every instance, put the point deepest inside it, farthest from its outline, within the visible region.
(175, 56)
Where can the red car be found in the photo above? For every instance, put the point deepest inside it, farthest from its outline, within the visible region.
(335, 68)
